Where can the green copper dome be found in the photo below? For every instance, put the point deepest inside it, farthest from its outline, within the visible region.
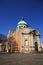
(22, 22)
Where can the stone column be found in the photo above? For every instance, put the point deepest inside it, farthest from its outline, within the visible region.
(39, 45)
(29, 42)
(32, 43)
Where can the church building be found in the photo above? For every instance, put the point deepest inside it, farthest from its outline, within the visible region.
(25, 39)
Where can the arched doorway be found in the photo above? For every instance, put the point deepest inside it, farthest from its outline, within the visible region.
(36, 46)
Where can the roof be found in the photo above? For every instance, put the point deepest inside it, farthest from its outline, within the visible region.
(22, 22)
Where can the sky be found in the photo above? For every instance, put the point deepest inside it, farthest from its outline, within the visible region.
(11, 12)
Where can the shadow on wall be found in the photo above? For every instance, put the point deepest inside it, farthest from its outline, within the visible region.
(36, 46)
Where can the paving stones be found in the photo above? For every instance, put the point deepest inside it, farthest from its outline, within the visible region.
(21, 59)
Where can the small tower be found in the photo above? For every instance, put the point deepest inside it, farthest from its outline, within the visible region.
(21, 25)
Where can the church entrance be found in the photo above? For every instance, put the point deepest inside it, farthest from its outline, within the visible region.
(36, 46)
(26, 48)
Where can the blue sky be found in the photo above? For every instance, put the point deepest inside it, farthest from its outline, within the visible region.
(11, 12)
